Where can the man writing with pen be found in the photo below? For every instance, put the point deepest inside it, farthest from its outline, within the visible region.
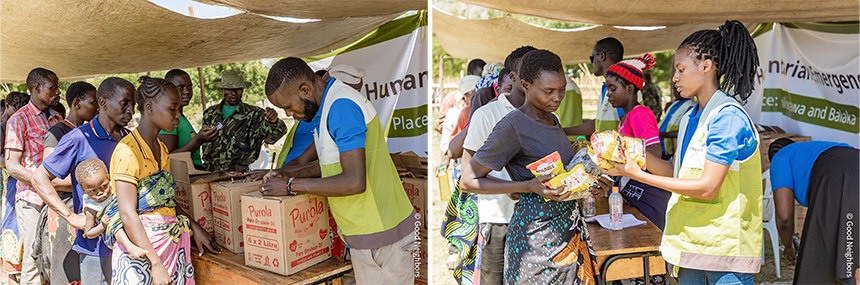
(366, 197)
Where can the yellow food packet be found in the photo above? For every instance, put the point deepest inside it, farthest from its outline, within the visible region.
(611, 146)
(598, 160)
(550, 164)
(576, 182)
(635, 149)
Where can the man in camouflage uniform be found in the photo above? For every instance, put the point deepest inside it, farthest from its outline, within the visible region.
(652, 97)
(244, 127)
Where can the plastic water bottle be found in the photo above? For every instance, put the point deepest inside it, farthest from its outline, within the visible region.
(589, 207)
(615, 210)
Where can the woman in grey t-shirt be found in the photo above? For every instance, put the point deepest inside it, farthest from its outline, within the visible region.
(547, 241)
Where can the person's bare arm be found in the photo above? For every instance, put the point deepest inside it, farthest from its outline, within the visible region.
(309, 169)
(62, 185)
(171, 141)
(658, 166)
(705, 187)
(200, 236)
(455, 147)
(352, 181)
(474, 179)
(672, 134)
(15, 168)
(584, 129)
(91, 230)
(783, 200)
(654, 149)
(42, 183)
(309, 155)
(126, 196)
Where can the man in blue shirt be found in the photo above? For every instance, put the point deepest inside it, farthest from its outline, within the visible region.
(96, 139)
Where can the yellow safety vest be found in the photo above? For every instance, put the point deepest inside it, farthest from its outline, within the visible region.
(725, 233)
(384, 204)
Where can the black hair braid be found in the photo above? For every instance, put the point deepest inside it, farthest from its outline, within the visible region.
(734, 54)
(150, 89)
(776, 145)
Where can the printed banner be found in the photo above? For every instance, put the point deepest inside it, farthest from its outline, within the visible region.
(397, 79)
(808, 80)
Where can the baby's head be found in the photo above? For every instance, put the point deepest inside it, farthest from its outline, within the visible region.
(92, 175)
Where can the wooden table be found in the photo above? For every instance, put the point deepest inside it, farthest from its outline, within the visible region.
(229, 269)
(622, 254)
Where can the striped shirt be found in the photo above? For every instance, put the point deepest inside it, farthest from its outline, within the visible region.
(25, 131)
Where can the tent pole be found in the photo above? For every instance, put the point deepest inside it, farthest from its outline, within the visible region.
(199, 74)
(439, 92)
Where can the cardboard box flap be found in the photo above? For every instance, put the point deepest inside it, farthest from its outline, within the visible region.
(410, 158)
(207, 177)
(186, 158)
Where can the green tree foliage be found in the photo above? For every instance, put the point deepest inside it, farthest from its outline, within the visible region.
(452, 65)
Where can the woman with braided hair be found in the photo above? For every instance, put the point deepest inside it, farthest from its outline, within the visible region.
(822, 176)
(145, 191)
(713, 232)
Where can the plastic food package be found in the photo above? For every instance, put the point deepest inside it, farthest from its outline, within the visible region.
(550, 164)
(611, 146)
(583, 158)
(635, 149)
(576, 182)
(580, 144)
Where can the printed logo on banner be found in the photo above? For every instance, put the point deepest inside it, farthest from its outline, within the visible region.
(808, 82)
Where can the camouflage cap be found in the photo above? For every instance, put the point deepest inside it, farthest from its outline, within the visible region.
(231, 79)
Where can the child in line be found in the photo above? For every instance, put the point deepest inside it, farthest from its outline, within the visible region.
(623, 80)
(99, 206)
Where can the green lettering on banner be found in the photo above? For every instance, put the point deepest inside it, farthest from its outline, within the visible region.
(811, 110)
(409, 122)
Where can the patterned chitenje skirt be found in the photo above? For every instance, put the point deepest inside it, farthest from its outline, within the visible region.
(548, 243)
(171, 238)
(460, 228)
(12, 247)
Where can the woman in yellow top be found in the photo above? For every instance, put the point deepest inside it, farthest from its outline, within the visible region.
(713, 219)
(144, 194)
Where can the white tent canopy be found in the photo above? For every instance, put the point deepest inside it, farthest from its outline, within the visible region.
(80, 39)
(673, 12)
(491, 40)
(321, 9)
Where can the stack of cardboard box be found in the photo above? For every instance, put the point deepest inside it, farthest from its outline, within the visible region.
(193, 193)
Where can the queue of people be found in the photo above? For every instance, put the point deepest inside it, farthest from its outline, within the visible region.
(112, 189)
(701, 185)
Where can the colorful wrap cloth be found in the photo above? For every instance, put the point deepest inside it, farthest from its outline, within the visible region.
(460, 228)
(170, 236)
(12, 247)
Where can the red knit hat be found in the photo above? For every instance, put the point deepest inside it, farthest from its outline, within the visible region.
(631, 69)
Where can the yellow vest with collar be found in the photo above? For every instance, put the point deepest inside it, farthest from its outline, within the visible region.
(725, 233)
(384, 203)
